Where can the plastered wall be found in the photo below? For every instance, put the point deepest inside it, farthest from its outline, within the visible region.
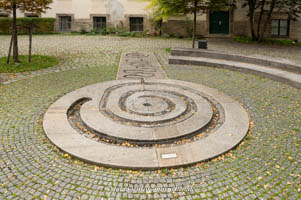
(118, 13)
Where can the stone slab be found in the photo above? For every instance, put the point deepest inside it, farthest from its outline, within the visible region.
(227, 136)
(142, 65)
(289, 78)
(272, 62)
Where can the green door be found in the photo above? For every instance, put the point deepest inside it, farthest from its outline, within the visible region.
(219, 22)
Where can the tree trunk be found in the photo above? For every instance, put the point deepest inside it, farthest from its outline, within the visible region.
(194, 23)
(15, 35)
(30, 42)
(10, 47)
(251, 4)
(261, 37)
(160, 29)
(260, 18)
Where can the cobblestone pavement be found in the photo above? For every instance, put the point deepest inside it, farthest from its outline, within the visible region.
(85, 51)
(265, 166)
(289, 52)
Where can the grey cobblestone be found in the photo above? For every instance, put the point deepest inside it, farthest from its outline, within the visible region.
(265, 165)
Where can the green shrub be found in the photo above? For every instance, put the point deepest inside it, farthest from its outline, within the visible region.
(90, 33)
(133, 34)
(243, 39)
(124, 34)
(95, 31)
(273, 41)
(200, 37)
(103, 31)
(83, 30)
(111, 30)
(177, 35)
(166, 35)
(75, 32)
(116, 30)
(41, 25)
(281, 42)
(144, 33)
(121, 30)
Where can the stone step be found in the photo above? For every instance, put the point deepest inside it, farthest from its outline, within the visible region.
(289, 78)
(272, 62)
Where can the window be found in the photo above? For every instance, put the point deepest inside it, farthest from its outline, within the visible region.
(65, 23)
(99, 23)
(280, 27)
(136, 24)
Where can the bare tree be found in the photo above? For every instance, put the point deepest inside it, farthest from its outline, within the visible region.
(266, 8)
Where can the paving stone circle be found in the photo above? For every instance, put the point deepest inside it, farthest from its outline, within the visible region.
(156, 112)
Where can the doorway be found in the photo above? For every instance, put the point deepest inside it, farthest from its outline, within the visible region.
(219, 22)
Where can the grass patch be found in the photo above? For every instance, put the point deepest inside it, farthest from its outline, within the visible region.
(37, 62)
(283, 42)
(168, 50)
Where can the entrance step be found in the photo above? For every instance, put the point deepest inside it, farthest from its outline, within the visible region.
(223, 61)
(279, 63)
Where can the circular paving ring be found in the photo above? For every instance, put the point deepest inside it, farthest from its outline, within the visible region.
(154, 112)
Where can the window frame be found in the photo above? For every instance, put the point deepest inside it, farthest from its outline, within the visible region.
(279, 27)
(69, 28)
(103, 24)
(136, 26)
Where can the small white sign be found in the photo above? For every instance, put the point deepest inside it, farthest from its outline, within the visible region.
(171, 155)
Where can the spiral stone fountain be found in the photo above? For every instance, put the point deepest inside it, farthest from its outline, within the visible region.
(145, 123)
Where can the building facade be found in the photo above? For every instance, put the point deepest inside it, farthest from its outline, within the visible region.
(132, 15)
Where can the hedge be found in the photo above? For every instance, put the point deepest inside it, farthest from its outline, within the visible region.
(41, 25)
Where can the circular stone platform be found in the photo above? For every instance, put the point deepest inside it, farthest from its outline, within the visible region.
(148, 125)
